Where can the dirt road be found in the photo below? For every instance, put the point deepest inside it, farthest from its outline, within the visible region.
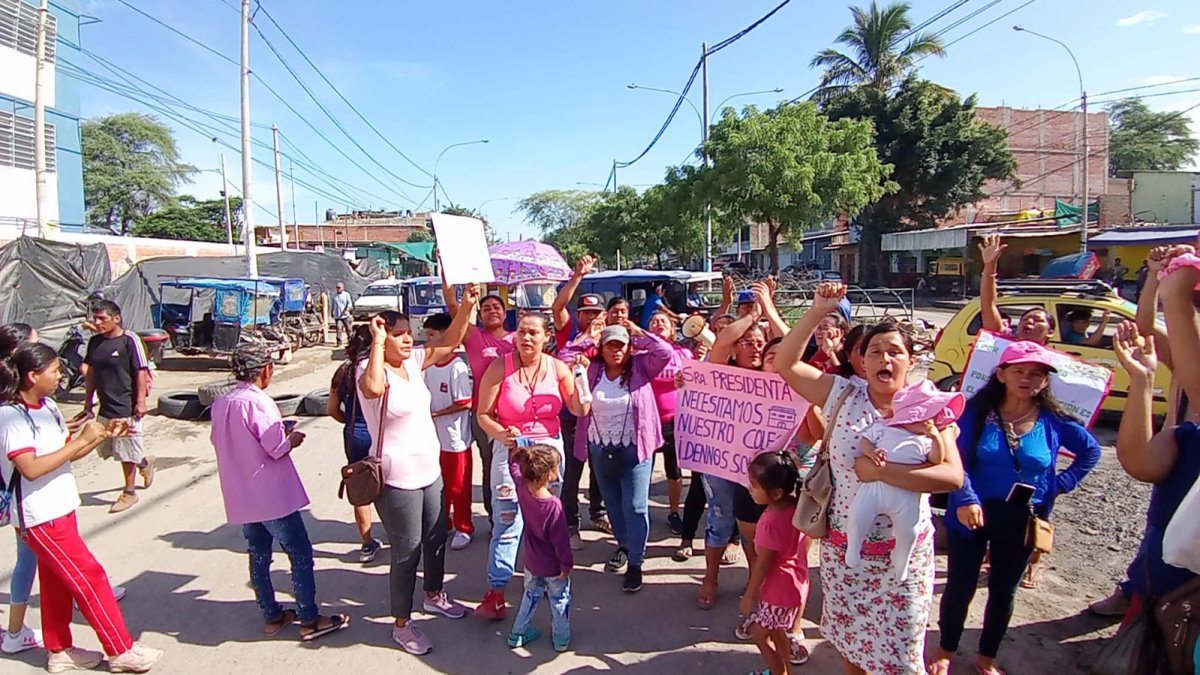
(185, 570)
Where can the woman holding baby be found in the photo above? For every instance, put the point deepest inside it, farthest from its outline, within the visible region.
(874, 617)
(1011, 432)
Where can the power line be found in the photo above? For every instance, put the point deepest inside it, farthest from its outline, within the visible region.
(928, 22)
(350, 105)
(180, 33)
(985, 25)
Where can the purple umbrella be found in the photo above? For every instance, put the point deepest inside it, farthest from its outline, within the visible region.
(519, 262)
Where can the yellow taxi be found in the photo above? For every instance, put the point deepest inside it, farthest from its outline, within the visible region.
(1061, 299)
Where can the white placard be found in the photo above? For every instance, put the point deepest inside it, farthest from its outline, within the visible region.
(462, 246)
(1079, 386)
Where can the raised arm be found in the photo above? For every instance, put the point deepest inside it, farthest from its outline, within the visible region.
(1182, 332)
(457, 332)
(726, 298)
(651, 353)
(806, 380)
(1147, 307)
(450, 298)
(722, 348)
(1142, 458)
(990, 249)
(1098, 334)
(373, 382)
(562, 316)
(770, 312)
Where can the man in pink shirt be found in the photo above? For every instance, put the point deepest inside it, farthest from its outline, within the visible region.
(484, 343)
(263, 493)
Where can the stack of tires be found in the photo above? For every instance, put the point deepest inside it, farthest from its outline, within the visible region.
(196, 405)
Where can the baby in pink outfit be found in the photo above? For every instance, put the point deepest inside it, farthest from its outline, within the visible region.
(909, 436)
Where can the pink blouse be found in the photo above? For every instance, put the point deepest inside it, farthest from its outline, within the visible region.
(532, 407)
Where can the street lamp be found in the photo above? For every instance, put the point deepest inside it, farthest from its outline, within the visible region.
(435, 168)
(699, 117)
(776, 90)
(1084, 151)
(479, 209)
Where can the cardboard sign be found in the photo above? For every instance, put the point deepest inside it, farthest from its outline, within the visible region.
(1079, 386)
(463, 249)
(725, 417)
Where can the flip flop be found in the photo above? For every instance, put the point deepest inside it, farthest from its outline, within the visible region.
(682, 554)
(940, 667)
(286, 618)
(336, 622)
(1033, 576)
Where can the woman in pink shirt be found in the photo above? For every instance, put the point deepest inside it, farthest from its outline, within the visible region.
(395, 402)
(520, 397)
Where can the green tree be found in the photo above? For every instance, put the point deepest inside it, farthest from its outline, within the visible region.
(1140, 138)
(189, 218)
(941, 155)
(876, 58)
(417, 235)
(131, 167)
(790, 168)
(561, 216)
(674, 217)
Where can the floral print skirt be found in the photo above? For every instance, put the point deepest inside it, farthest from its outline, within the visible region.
(874, 621)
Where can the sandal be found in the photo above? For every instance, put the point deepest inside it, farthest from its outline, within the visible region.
(989, 671)
(706, 597)
(939, 667)
(1033, 576)
(286, 618)
(314, 630)
(682, 554)
(732, 555)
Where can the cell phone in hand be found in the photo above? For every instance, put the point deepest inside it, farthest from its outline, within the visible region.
(1021, 493)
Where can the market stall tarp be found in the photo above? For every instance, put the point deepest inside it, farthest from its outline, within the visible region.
(137, 291)
(46, 283)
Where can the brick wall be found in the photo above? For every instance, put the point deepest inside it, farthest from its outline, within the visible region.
(328, 233)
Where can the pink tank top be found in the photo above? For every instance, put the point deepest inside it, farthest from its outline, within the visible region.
(532, 407)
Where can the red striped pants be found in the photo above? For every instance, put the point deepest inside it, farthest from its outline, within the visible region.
(70, 576)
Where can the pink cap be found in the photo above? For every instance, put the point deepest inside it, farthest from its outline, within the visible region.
(923, 401)
(1027, 352)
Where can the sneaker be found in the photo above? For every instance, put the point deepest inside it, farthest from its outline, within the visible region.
(798, 653)
(633, 579)
(521, 639)
(411, 639)
(118, 593)
(675, 521)
(493, 606)
(742, 632)
(368, 551)
(26, 638)
(138, 659)
(442, 604)
(561, 644)
(459, 541)
(576, 540)
(73, 658)
(126, 500)
(618, 562)
(600, 523)
(1114, 605)
(147, 472)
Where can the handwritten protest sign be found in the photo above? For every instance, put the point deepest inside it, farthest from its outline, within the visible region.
(463, 250)
(1079, 386)
(725, 417)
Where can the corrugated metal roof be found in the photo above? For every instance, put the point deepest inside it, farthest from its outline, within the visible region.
(1147, 235)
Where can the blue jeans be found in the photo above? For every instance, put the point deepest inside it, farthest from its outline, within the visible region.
(293, 538)
(721, 523)
(627, 497)
(559, 591)
(507, 523)
(24, 571)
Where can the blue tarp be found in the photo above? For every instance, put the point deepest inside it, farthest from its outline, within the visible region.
(260, 287)
(1069, 266)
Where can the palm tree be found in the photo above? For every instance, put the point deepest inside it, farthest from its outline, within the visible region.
(874, 58)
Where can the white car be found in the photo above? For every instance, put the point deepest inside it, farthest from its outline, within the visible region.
(386, 294)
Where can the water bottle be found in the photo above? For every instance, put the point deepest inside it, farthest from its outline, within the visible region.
(581, 383)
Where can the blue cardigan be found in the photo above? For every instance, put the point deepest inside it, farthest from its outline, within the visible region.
(1060, 433)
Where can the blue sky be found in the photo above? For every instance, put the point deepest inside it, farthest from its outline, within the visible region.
(545, 82)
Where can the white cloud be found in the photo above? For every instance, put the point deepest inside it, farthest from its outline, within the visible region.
(1144, 16)
(1161, 79)
(1192, 29)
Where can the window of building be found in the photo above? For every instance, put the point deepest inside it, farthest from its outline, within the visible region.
(18, 28)
(16, 142)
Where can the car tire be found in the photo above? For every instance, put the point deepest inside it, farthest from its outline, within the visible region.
(181, 405)
(316, 403)
(214, 390)
(952, 383)
(289, 404)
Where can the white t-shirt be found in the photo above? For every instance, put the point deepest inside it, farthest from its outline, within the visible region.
(411, 456)
(612, 413)
(42, 431)
(902, 445)
(450, 383)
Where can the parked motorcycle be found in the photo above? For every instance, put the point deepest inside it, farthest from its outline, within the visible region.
(70, 356)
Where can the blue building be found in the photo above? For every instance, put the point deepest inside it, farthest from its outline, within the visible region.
(64, 160)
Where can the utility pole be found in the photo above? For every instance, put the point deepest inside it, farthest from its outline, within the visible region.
(317, 220)
(708, 244)
(279, 191)
(295, 218)
(39, 120)
(247, 162)
(228, 211)
(1083, 219)
(614, 176)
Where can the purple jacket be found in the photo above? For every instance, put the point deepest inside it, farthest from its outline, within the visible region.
(650, 355)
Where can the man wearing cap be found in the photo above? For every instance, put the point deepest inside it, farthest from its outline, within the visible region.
(589, 313)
